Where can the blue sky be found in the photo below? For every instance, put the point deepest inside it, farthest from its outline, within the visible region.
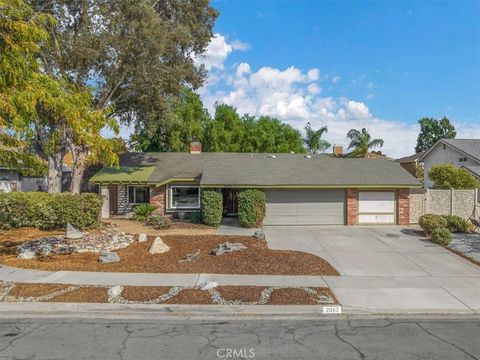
(379, 64)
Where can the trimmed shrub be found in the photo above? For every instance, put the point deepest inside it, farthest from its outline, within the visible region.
(441, 236)
(251, 207)
(196, 218)
(159, 222)
(456, 224)
(47, 211)
(143, 211)
(429, 222)
(212, 207)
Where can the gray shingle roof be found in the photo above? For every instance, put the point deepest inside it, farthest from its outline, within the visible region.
(410, 158)
(243, 169)
(468, 146)
(475, 170)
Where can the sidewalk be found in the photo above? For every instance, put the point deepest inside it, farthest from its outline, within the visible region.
(152, 279)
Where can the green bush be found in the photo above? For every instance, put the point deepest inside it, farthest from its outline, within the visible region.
(441, 236)
(212, 207)
(456, 224)
(159, 222)
(429, 222)
(142, 212)
(251, 207)
(49, 211)
(196, 218)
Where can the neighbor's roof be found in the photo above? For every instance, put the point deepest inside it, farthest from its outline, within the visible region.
(470, 147)
(475, 170)
(410, 158)
(123, 174)
(244, 169)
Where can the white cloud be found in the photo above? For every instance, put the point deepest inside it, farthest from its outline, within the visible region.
(313, 74)
(336, 79)
(313, 89)
(240, 45)
(216, 53)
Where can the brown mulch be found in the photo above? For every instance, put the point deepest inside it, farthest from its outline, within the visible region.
(191, 297)
(243, 293)
(256, 259)
(178, 228)
(84, 295)
(143, 293)
(10, 239)
(292, 296)
(34, 290)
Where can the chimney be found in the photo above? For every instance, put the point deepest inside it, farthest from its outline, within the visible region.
(195, 148)
(337, 150)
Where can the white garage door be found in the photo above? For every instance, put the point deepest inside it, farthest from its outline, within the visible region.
(376, 207)
(305, 207)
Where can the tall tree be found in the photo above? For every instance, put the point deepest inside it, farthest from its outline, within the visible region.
(432, 130)
(362, 142)
(183, 123)
(313, 139)
(225, 132)
(448, 176)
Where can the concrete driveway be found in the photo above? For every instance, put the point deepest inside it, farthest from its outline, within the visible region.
(386, 268)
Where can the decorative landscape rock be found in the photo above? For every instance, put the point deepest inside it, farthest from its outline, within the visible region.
(467, 244)
(108, 239)
(142, 237)
(191, 257)
(108, 257)
(158, 246)
(73, 233)
(27, 254)
(259, 235)
(208, 285)
(227, 247)
(114, 292)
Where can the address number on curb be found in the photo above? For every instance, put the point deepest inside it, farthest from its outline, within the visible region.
(332, 309)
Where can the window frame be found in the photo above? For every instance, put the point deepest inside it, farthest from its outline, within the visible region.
(135, 194)
(170, 198)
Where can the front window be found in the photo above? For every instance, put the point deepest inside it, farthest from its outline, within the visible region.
(184, 197)
(138, 194)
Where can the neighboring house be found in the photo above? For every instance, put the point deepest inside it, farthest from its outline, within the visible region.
(300, 189)
(12, 180)
(464, 153)
(411, 164)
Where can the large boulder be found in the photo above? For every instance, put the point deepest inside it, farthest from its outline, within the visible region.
(227, 247)
(158, 246)
(73, 233)
(108, 257)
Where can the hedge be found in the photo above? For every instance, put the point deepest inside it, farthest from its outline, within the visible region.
(212, 207)
(47, 211)
(251, 207)
(441, 236)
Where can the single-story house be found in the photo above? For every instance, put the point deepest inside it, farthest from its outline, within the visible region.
(463, 153)
(300, 189)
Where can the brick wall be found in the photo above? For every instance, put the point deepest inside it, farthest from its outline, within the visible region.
(158, 197)
(403, 203)
(351, 206)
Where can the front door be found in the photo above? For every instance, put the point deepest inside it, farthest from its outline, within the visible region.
(113, 189)
(230, 205)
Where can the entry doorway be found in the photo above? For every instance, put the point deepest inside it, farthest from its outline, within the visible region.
(230, 203)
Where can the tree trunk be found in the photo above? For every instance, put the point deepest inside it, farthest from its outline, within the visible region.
(79, 165)
(55, 164)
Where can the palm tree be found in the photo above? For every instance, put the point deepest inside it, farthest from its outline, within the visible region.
(313, 139)
(361, 142)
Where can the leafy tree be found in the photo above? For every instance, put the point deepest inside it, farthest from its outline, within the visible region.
(225, 132)
(313, 139)
(361, 142)
(184, 123)
(136, 54)
(269, 135)
(432, 130)
(448, 176)
(47, 113)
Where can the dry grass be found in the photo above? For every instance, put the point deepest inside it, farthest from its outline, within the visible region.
(143, 293)
(178, 228)
(292, 296)
(243, 293)
(256, 259)
(191, 297)
(84, 295)
(35, 290)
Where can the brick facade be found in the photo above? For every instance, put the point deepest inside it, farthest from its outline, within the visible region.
(403, 203)
(158, 197)
(351, 206)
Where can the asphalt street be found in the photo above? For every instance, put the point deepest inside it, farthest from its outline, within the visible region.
(354, 338)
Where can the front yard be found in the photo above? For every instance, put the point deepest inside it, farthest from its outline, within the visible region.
(256, 259)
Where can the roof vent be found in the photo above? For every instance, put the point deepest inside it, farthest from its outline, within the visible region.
(308, 156)
(271, 156)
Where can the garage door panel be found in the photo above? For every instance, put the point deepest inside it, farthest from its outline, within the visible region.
(305, 207)
(376, 207)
